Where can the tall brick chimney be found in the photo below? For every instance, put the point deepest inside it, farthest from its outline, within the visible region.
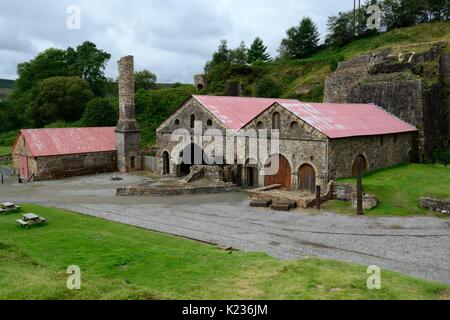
(128, 135)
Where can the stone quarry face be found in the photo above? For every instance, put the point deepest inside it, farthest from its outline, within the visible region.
(412, 86)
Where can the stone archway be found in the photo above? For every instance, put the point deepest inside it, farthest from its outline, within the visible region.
(307, 178)
(283, 174)
(364, 165)
(166, 163)
(251, 173)
(191, 155)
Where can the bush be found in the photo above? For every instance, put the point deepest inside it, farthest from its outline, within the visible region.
(267, 88)
(101, 112)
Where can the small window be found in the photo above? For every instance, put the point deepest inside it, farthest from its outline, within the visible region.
(381, 140)
(276, 121)
(395, 139)
(192, 121)
(209, 123)
(177, 122)
(260, 125)
(295, 125)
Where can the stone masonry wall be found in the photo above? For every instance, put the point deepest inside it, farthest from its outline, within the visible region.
(379, 151)
(65, 166)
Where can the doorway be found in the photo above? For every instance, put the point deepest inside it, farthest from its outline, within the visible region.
(307, 178)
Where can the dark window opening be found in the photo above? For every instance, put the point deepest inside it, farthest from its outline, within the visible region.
(276, 121)
(192, 121)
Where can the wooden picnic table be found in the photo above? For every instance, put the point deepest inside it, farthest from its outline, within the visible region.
(29, 219)
(8, 207)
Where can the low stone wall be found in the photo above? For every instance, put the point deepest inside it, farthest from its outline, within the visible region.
(147, 191)
(342, 191)
(369, 201)
(436, 205)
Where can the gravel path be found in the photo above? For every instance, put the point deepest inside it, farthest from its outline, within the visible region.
(417, 246)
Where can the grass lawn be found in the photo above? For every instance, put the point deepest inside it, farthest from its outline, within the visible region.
(4, 150)
(400, 188)
(123, 262)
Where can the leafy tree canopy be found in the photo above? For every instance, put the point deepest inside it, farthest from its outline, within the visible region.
(301, 41)
(101, 112)
(57, 98)
(145, 79)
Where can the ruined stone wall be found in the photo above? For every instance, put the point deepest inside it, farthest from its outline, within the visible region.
(379, 151)
(411, 85)
(64, 166)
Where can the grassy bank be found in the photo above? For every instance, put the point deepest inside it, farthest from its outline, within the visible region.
(400, 188)
(122, 262)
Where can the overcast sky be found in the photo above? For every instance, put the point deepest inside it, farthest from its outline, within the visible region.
(173, 38)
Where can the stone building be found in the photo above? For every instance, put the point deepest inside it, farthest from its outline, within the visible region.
(45, 154)
(318, 142)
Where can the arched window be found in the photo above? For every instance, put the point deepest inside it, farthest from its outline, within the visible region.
(192, 121)
(177, 122)
(294, 125)
(209, 123)
(260, 125)
(276, 121)
(166, 163)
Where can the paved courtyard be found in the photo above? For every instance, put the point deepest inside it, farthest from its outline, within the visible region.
(417, 246)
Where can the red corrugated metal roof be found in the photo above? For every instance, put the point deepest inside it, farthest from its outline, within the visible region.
(236, 112)
(332, 119)
(63, 141)
(337, 120)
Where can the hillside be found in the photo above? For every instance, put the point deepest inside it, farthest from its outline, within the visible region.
(304, 79)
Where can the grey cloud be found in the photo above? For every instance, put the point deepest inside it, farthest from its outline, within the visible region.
(173, 38)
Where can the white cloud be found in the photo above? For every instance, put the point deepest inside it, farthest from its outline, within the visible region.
(173, 38)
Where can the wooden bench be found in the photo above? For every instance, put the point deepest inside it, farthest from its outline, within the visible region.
(284, 206)
(260, 203)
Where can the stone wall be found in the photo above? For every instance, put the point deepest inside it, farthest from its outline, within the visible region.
(379, 151)
(64, 166)
(19, 150)
(410, 85)
(438, 205)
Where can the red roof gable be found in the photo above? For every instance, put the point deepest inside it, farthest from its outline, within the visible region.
(63, 141)
(236, 112)
(337, 120)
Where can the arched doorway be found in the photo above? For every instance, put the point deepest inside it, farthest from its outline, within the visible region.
(283, 174)
(364, 165)
(166, 163)
(307, 178)
(251, 173)
(193, 154)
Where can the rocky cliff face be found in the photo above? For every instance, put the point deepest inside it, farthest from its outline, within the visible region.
(410, 83)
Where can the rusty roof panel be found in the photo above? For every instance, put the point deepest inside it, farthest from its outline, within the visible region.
(236, 112)
(338, 120)
(64, 141)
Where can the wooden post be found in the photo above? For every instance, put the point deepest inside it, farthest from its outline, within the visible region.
(359, 193)
(2, 177)
(318, 197)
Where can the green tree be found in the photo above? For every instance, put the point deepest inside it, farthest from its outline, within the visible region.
(49, 63)
(239, 55)
(58, 98)
(257, 52)
(221, 56)
(301, 41)
(145, 79)
(101, 112)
